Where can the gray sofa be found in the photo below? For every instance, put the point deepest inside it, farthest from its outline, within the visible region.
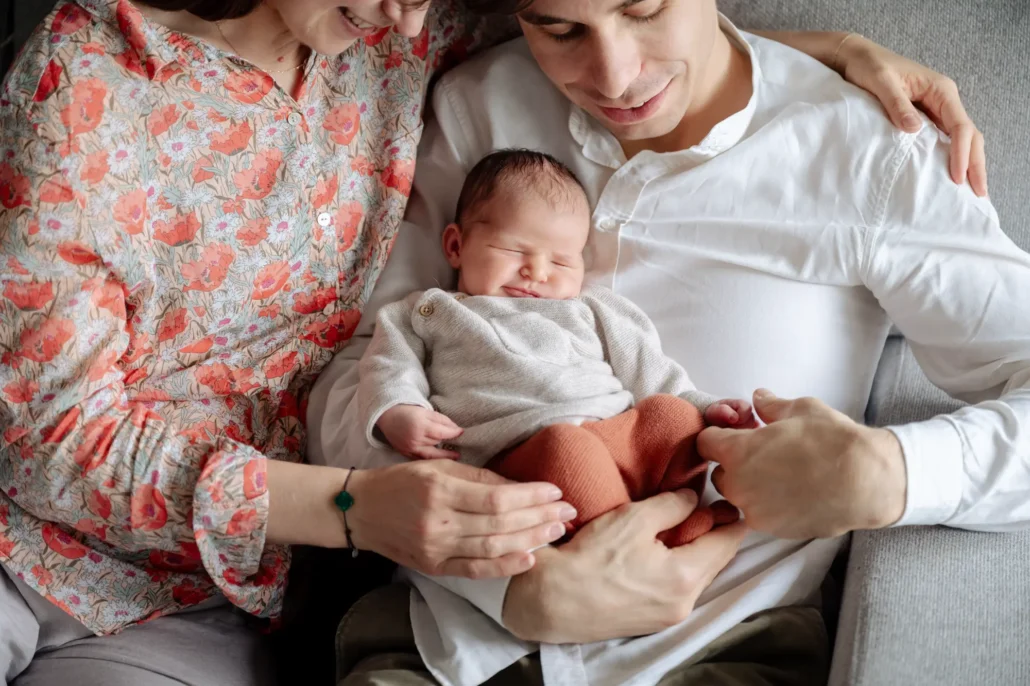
(932, 605)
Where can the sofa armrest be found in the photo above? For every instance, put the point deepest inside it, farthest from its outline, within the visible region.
(930, 605)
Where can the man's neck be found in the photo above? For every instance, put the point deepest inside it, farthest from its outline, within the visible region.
(260, 37)
(724, 89)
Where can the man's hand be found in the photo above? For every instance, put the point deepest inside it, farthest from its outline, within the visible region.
(731, 414)
(416, 432)
(615, 580)
(812, 472)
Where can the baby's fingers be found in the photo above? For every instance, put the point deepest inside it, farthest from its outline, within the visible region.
(434, 453)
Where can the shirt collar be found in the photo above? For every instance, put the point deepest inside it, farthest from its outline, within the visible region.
(150, 48)
(601, 146)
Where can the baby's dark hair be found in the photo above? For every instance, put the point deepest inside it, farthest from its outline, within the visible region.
(544, 173)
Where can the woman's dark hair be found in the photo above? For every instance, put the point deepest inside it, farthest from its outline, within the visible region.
(209, 10)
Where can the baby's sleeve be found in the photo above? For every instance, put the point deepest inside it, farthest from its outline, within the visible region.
(392, 371)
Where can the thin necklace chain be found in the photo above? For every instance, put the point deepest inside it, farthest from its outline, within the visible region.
(218, 25)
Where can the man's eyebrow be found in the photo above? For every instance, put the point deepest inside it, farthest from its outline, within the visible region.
(531, 17)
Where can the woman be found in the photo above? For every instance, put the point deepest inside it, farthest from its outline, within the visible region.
(197, 201)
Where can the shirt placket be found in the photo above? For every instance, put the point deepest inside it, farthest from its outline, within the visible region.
(614, 209)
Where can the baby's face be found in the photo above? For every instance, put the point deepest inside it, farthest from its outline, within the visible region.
(521, 246)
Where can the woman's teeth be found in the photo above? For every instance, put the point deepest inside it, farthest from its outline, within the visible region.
(357, 21)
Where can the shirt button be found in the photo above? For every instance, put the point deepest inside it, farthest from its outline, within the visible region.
(329, 309)
(460, 296)
(426, 310)
(325, 219)
(609, 225)
(294, 119)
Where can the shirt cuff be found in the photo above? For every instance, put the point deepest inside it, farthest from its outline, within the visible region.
(934, 466)
(230, 519)
(486, 594)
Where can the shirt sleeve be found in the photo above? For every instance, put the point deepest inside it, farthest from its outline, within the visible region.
(956, 286)
(392, 371)
(634, 351)
(76, 449)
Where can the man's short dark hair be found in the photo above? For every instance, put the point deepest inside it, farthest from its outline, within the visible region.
(536, 170)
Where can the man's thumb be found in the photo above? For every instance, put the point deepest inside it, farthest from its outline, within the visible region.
(769, 407)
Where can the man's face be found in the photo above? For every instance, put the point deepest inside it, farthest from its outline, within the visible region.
(632, 64)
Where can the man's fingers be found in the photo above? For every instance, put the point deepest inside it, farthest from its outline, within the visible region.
(474, 568)
(709, 554)
(664, 511)
(719, 480)
(771, 408)
(721, 445)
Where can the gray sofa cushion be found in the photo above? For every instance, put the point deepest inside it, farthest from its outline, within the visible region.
(932, 605)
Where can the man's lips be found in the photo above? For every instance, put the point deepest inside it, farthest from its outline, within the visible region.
(516, 292)
(632, 115)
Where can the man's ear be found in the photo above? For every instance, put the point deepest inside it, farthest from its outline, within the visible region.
(452, 245)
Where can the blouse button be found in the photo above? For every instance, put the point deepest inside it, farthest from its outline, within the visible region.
(426, 310)
(460, 296)
(294, 119)
(609, 225)
(329, 309)
(325, 219)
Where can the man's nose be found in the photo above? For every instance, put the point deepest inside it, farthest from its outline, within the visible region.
(615, 62)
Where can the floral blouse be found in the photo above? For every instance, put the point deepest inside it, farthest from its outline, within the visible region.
(184, 247)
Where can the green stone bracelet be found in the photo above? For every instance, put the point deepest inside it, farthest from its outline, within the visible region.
(345, 501)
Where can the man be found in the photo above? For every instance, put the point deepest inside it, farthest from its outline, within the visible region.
(773, 224)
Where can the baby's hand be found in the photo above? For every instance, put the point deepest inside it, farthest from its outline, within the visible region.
(416, 432)
(731, 414)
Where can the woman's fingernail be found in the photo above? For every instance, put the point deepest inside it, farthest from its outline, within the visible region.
(689, 496)
(556, 531)
(567, 513)
(763, 393)
(554, 493)
(910, 121)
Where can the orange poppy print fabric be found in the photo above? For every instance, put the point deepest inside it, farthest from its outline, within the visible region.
(184, 247)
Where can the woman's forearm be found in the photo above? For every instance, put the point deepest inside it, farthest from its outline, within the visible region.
(301, 509)
(822, 45)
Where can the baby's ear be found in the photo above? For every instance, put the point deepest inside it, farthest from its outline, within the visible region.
(452, 245)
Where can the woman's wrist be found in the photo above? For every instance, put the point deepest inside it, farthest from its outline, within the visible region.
(301, 509)
(358, 522)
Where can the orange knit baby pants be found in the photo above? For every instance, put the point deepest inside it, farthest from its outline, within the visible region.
(599, 466)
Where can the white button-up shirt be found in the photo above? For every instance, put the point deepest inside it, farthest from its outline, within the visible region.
(775, 253)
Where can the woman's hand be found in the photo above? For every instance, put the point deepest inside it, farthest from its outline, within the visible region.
(899, 82)
(615, 580)
(447, 518)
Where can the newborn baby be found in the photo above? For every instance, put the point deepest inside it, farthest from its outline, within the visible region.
(527, 373)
